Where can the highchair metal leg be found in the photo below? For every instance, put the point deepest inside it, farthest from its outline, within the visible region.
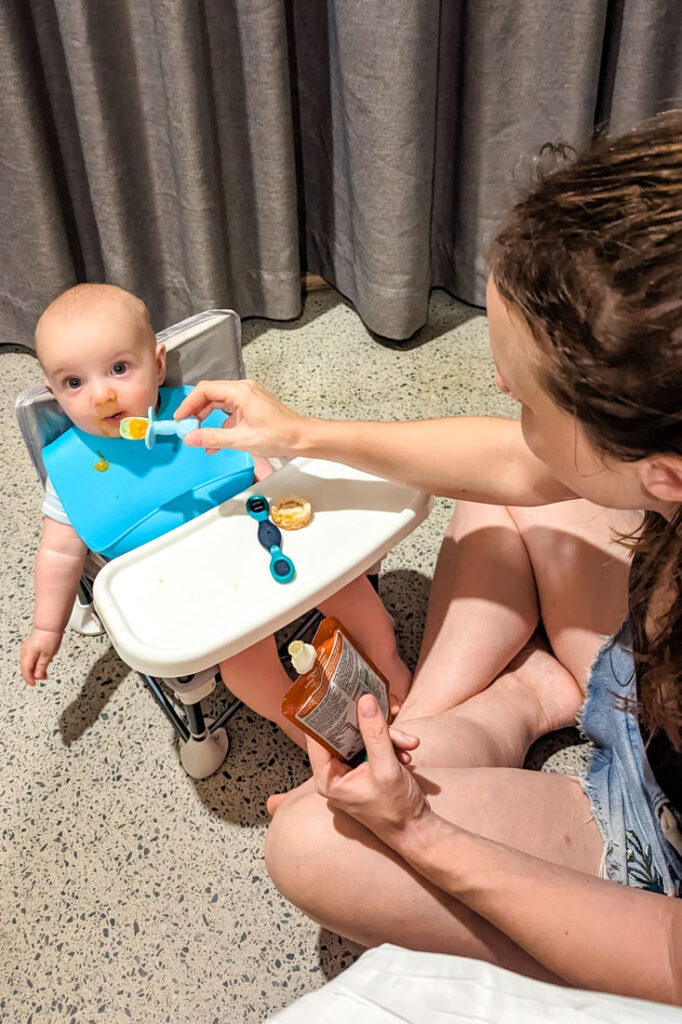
(206, 749)
(166, 706)
(84, 618)
(204, 745)
(203, 750)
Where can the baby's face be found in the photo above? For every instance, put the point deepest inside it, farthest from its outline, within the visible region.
(101, 366)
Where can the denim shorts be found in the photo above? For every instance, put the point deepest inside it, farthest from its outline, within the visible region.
(642, 832)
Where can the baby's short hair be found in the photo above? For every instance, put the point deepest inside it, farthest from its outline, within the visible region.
(81, 298)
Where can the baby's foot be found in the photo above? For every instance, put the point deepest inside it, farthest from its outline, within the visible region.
(275, 800)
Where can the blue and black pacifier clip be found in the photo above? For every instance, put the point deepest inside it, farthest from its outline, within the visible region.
(281, 568)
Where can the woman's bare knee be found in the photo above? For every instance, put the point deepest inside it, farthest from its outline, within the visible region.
(581, 573)
(301, 849)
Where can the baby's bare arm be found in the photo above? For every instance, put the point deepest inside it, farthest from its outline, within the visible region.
(58, 569)
(59, 566)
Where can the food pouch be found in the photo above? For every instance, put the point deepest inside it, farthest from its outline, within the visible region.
(334, 674)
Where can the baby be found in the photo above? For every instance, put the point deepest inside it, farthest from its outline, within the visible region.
(102, 362)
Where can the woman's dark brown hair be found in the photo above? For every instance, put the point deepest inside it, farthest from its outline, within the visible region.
(591, 255)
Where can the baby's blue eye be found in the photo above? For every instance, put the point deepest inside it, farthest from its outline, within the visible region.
(119, 368)
(73, 382)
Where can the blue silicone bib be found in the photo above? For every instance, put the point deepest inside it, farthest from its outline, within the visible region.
(119, 495)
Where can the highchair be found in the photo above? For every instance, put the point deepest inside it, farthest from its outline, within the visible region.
(177, 606)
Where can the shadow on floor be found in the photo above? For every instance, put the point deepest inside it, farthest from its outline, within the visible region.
(98, 688)
(445, 314)
(261, 761)
(336, 953)
(315, 304)
(405, 593)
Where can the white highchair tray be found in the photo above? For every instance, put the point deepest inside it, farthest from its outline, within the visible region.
(204, 591)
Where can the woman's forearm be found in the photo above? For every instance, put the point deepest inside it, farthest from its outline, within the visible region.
(474, 458)
(471, 458)
(590, 932)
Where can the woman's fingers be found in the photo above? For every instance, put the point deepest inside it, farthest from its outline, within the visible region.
(257, 422)
(326, 768)
(208, 395)
(211, 438)
(375, 733)
(402, 740)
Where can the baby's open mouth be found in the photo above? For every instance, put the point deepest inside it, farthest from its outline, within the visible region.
(111, 424)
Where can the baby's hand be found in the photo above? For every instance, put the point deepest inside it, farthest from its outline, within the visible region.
(37, 651)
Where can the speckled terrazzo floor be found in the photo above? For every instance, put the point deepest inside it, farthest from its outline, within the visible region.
(129, 891)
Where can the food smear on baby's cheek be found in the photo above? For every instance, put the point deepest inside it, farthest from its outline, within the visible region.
(102, 466)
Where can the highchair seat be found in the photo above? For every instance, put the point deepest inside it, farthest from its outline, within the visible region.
(204, 592)
(178, 605)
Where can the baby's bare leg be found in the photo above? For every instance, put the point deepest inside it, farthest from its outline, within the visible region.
(256, 676)
(360, 609)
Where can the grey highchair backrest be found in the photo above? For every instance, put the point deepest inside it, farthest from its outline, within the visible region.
(206, 346)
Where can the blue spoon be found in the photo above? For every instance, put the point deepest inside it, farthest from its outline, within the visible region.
(281, 568)
(137, 428)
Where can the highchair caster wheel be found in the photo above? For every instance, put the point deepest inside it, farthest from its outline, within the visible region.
(202, 757)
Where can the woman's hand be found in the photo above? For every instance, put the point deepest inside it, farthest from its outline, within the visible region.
(257, 422)
(380, 793)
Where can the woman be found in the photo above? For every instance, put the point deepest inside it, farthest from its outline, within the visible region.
(464, 851)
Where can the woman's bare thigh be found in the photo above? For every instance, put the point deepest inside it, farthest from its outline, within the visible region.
(542, 813)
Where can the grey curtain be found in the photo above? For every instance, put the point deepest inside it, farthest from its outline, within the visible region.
(147, 143)
(203, 152)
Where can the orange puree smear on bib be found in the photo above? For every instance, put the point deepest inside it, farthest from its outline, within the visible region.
(102, 466)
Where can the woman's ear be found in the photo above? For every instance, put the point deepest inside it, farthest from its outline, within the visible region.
(661, 476)
(160, 362)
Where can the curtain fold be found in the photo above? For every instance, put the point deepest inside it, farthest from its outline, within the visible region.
(204, 152)
(645, 72)
(511, 77)
(366, 77)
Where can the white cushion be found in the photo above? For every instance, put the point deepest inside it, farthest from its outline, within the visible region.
(390, 984)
